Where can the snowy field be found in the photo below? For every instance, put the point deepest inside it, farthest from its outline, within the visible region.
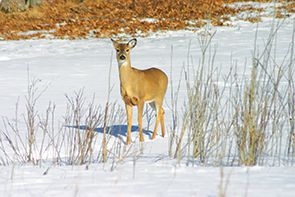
(65, 67)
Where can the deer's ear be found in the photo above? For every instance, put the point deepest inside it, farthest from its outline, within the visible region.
(132, 43)
(114, 42)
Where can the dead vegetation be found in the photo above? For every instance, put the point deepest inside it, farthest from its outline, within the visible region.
(105, 18)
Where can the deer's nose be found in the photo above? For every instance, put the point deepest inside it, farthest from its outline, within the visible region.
(122, 57)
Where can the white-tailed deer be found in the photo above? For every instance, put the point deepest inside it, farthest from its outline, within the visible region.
(138, 87)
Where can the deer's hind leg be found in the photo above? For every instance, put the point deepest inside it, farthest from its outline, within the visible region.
(157, 106)
(162, 121)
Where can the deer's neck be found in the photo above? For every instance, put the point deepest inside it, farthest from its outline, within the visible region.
(125, 73)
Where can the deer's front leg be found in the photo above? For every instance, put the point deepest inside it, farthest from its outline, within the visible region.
(129, 122)
(140, 110)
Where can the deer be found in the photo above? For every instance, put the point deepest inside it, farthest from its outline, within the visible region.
(138, 87)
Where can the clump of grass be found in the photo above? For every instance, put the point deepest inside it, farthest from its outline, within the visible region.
(202, 121)
(25, 147)
(80, 133)
(254, 113)
(242, 121)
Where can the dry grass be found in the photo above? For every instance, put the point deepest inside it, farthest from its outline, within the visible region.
(241, 123)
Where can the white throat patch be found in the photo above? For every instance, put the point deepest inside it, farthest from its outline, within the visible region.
(122, 63)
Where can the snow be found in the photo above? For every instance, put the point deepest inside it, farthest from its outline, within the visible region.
(64, 67)
(149, 179)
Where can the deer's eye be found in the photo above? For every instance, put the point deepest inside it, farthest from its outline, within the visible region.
(127, 50)
(118, 50)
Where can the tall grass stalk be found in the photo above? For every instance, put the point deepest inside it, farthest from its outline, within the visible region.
(173, 106)
(104, 144)
(291, 98)
(32, 128)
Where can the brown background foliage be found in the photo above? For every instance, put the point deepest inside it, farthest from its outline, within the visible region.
(106, 18)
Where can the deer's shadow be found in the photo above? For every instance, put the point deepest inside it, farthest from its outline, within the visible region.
(115, 130)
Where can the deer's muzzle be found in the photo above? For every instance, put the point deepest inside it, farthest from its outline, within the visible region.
(122, 57)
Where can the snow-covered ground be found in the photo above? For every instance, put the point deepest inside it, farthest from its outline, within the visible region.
(65, 67)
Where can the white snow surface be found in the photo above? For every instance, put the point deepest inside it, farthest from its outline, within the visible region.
(67, 66)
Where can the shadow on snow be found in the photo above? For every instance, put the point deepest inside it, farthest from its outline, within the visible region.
(116, 130)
